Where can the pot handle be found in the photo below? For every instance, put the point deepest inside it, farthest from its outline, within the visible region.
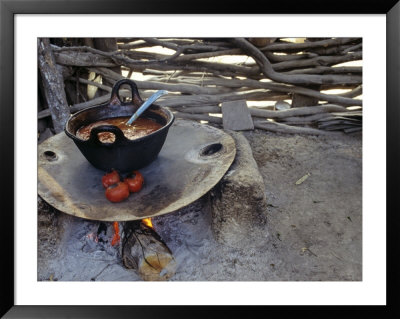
(116, 99)
(119, 135)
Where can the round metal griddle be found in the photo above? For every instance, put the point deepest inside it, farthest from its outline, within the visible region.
(193, 159)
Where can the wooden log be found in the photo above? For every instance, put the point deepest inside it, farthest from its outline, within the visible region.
(300, 100)
(333, 50)
(261, 42)
(93, 83)
(201, 100)
(317, 61)
(84, 59)
(301, 120)
(153, 85)
(353, 93)
(53, 84)
(107, 45)
(326, 69)
(307, 45)
(96, 101)
(299, 111)
(283, 128)
(305, 79)
(288, 57)
(128, 45)
(96, 58)
(194, 100)
(235, 83)
(181, 58)
(353, 48)
(277, 87)
(197, 100)
(203, 55)
(144, 251)
(199, 109)
(196, 47)
(199, 117)
(90, 57)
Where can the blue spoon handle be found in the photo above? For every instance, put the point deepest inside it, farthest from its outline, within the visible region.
(145, 105)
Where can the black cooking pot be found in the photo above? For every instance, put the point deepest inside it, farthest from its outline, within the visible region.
(123, 154)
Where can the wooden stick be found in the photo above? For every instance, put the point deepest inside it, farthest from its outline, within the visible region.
(326, 69)
(317, 61)
(235, 83)
(283, 128)
(332, 50)
(288, 57)
(353, 48)
(82, 59)
(298, 111)
(302, 120)
(203, 55)
(199, 109)
(133, 44)
(153, 85)
(199, 117)
(269, 71)
(193, 47)
(353, 93)
(307, 45)
(86, 56)
(197, 100)
(96, 84)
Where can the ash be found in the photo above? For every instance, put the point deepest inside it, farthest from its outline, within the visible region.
(199, 257)
(79, 250)
(74, 249)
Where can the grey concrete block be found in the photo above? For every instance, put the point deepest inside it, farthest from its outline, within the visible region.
(236, 116)
(238, 202)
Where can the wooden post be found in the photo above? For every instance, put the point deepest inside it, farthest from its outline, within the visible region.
(107, 45)
(53, 85)
(299, 100)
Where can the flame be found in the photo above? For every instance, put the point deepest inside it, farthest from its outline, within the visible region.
(147, 222)
(116, 237)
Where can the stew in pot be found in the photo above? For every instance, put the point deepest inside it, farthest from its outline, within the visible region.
(141, 127)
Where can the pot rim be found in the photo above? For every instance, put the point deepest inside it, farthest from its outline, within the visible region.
(164, 127)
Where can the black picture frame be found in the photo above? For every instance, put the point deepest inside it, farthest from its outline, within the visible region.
(8, 10)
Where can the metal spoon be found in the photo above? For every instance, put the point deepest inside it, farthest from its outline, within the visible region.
(145, 105)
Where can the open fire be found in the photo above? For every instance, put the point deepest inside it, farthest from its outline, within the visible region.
(147, 222)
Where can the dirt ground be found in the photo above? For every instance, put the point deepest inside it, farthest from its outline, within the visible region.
(313, 233)
(318, 223)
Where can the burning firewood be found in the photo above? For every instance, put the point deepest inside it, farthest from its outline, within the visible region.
(144, 251)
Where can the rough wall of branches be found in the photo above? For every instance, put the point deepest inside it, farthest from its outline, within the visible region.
(199, 80)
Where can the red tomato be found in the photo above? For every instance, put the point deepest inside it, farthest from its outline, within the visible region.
(117, 192)
(135, 181)
(110, 178)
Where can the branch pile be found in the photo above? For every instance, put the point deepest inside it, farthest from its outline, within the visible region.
(199, 80)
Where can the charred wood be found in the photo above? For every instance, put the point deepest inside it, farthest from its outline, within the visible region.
(144, 251)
